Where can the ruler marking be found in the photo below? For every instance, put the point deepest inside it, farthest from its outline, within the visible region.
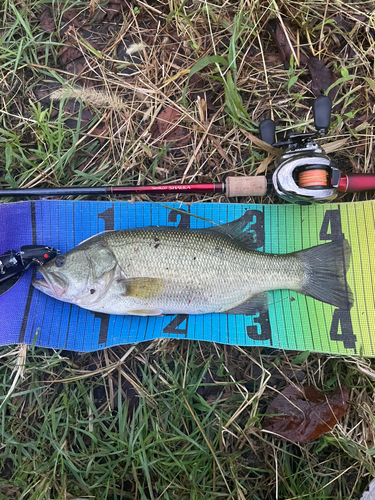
(365, 295)
(354, 289)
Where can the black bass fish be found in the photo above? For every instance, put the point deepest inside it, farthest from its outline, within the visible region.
(154, 271)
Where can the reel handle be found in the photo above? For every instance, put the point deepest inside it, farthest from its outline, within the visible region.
(322, 108)
(267, 130)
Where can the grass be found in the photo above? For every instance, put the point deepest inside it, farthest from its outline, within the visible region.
(175, 420)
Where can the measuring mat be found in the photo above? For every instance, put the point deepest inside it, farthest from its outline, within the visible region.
(293, 321)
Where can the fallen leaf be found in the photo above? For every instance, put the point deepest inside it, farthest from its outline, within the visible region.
(279, 37)
(47, 22)
(262, 169)
(331, 147)
(77, 67)
(345, 23)
(306, 414)
(261, 144)
(68, 54)
(73, 18)
(322, 78)
(112, 9)
(101, 132)
(342, 25)
(167, 119)
(166, 128)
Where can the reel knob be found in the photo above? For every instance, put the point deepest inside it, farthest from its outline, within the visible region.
(322, 108)
(267, 130)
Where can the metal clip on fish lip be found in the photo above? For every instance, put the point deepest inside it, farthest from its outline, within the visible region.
(13, 264)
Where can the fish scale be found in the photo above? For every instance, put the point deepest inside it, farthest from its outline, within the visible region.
(202, 272)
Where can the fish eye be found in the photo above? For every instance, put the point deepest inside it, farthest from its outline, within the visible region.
(60, 261)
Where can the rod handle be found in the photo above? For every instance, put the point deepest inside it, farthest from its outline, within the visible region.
(246, 186)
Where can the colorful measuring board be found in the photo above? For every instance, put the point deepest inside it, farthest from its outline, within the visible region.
(293, 321)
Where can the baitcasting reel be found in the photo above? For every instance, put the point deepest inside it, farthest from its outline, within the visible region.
(304, 172)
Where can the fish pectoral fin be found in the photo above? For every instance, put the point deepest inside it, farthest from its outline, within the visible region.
(253, 305)
(146, 312)
(142, 288)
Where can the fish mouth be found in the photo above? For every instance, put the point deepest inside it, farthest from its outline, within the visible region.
(50, 283)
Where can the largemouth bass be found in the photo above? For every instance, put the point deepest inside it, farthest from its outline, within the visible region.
(155, 271)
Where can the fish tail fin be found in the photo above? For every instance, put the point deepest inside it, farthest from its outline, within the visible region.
(325, 279)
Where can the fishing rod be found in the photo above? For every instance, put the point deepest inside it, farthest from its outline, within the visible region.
(304, 172)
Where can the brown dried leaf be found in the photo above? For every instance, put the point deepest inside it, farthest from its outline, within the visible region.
(282, 44)
(112, 9)
(47, 21)
(262, 169)
(331, 147)
(306, 413)
(346, 23)
(76, 66)
(69, 54)
(73, 18)
(167, 119)
(166, 126)
(101, 131)
(322, 78)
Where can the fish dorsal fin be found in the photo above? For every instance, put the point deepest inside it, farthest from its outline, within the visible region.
(236, 230)
(95, 236)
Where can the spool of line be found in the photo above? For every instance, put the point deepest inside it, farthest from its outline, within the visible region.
(315, 178)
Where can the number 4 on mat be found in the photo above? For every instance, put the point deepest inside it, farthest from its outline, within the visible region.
(341, 321)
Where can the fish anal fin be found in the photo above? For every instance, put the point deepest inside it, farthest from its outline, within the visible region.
(142, 288)
(146, 312)
(253, 305)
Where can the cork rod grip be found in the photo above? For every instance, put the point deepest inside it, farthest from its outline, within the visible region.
(246, 186)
